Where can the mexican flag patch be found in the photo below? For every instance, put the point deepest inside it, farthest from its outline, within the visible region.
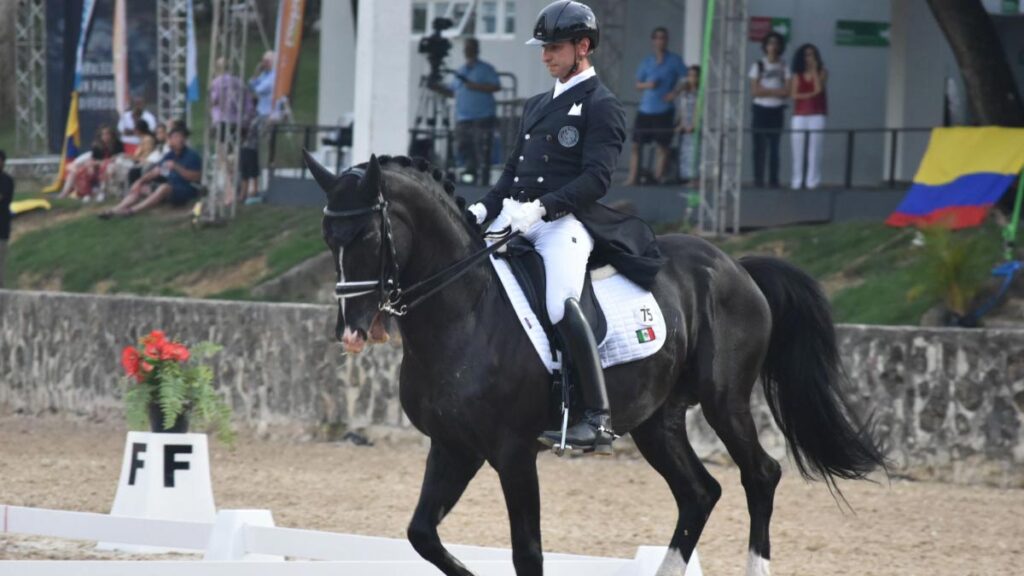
(645, 335)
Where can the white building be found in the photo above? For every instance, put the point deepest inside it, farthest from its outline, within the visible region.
(371, 68)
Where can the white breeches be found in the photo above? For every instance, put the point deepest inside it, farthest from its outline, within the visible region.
(565, 246)
(804, 126)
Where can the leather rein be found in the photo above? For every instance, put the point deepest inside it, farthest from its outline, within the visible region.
(392, 297)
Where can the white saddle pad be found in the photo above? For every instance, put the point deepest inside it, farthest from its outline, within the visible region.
(636, 326)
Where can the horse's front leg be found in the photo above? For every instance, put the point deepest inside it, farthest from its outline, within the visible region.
(448, 473)
(517, 469)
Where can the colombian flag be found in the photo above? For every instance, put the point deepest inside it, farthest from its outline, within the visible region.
(964, 172)
(72, 142)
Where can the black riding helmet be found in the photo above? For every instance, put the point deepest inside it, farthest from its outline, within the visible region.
(566, 20)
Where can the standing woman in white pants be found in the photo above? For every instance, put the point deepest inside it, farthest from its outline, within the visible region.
(810, 106)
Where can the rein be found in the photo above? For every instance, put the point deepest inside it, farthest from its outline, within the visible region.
(394, 299)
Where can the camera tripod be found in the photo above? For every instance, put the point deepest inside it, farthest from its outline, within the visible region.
(432, 123)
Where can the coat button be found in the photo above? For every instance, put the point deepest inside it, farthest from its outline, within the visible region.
(546, 158)
(516, 179)
(540, 178)
(527, 137)
(520, 158)
(548, 137)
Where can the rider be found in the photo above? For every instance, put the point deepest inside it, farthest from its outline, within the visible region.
(568, 144)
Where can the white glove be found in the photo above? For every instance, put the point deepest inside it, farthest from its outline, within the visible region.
(480, 211)
(527, 216)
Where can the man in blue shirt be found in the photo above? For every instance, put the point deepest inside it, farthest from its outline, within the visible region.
(658, 77)
(473, 87)
(174, 179)
(262, 84)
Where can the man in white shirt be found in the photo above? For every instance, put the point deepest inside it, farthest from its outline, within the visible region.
(127, 125)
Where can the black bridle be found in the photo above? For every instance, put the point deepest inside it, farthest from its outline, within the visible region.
(392, 298)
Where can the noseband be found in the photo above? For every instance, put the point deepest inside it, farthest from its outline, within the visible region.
(393, 299)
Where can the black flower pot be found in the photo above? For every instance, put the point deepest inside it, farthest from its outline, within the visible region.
(156, 421)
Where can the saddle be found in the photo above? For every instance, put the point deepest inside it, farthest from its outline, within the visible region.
(528, 268)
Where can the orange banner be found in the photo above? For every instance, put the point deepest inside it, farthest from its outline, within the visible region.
(289, 40)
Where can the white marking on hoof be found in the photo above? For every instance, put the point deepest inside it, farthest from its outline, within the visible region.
(673, 564)
(757, 566)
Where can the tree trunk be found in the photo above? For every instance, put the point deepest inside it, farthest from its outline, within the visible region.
(991, 89)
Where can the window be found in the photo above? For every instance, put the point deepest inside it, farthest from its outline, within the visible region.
(510, 17)
(419, 18)
(485, 18)
(488, 18)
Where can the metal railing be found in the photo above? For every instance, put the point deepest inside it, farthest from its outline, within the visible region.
(896, 154)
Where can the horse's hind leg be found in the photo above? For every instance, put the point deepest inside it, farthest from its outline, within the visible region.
(727, 409)
(663, 442)
(447, 475)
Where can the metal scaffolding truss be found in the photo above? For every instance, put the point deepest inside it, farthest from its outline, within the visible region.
(171, 58)
(30, 76)
(722, 125)
(222, 141)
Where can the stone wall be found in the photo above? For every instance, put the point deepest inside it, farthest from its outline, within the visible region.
(948, 403)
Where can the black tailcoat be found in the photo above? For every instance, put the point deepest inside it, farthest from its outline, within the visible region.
(564, 155)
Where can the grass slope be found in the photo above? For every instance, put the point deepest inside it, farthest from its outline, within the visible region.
(162, 254)
(870, 271)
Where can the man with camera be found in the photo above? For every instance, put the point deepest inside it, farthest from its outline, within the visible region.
(473, 87)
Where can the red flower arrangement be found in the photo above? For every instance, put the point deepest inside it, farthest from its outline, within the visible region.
(155, 348)
(164, 387)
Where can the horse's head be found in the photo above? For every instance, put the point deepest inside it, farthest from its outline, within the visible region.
(363, 241)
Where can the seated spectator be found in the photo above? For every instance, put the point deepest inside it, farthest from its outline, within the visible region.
(105, 149)
(175, 179)
(128, 126)
(160, 135)
(129, 168)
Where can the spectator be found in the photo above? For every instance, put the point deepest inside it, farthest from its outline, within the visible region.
(131, 117)
(262, 86)
(657, 77)
(249, 158)
(105, 149)
(475, 112)
(6, 196)
(160, 135)
(129, 168)
(810, 107)
(227, 93)
(768, 80)
(175, 179)
(687, 124)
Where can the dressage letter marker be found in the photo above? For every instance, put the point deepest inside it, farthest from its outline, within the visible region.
(164, 477)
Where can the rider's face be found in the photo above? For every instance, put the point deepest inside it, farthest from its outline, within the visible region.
(559, 57)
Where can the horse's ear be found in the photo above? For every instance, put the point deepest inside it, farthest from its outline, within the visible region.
(322, 175)
(369, 187)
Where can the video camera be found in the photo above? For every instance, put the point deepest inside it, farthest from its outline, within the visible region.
(436, 47)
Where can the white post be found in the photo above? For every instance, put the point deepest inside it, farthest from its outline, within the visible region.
(896, 87)
(227, 539)
(337, 63)
(693, 31)
(383, 58)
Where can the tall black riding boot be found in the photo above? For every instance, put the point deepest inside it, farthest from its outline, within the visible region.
(594, 431)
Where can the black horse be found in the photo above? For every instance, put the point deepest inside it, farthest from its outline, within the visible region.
(471, 381)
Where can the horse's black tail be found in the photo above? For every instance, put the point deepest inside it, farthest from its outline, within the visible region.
(801, 376)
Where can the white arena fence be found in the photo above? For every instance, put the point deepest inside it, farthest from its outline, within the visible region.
(245, 542)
